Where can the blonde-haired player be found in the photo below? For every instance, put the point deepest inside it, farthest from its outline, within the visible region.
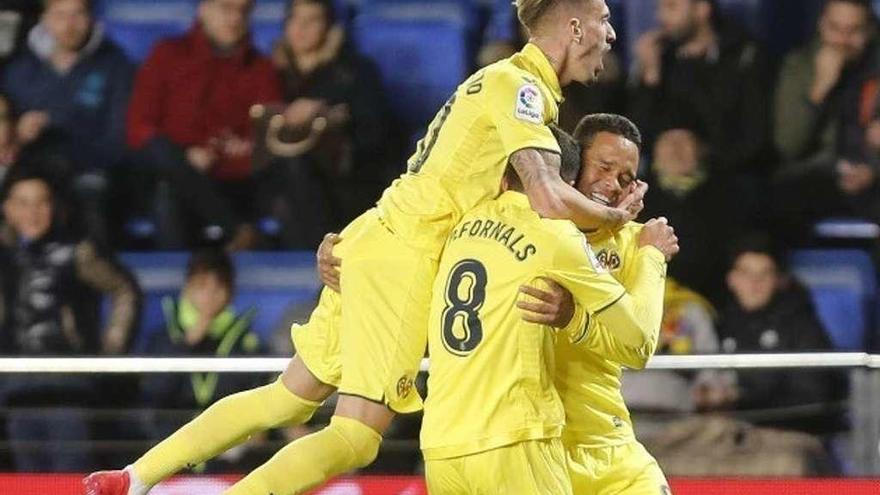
(371, 351)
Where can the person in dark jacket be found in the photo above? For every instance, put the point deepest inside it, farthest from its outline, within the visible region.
(189, 119)
(682, 184)
(199, 323)
(325, 81)
(70, 87)
(51, 281)
(827, 124)
(771, 312)
(702, 68)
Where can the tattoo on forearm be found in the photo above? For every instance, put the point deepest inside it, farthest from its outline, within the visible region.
(534, 166)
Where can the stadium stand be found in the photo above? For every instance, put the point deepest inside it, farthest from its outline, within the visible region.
(843, 284)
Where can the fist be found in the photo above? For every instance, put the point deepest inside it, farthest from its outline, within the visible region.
(658, 233)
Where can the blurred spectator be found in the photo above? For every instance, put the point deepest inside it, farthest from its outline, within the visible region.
(681, 185)
(8, 141)
(200, 323)
(700, 68)
(17, 17)
(824, 87)
(50, 281)
(771, 312)
(336, 100)
(189, 119)
(827, 123)
(70, 87)
(688, 328)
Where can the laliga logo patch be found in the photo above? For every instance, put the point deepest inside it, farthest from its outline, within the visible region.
(529, 104)
(404, 386)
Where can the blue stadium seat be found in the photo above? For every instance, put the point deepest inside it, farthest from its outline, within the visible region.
(270, 282)
(267, 24)
(136, 25)
(422, 59)
(843, 284)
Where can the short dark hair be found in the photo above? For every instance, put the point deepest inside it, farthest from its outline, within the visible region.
(761, 243)
(865, 4)
(90, 4)
(570, 157)
(591, 125)
(213, 261)
(22, 172)
(327, 5)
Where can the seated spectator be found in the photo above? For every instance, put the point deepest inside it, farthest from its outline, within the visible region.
(771, 312)
(325, 186)
(49, 283)
(701, 68)
(8, 141)
(200, 322)
(17, 17)
(828, 124)
(70, 87)
(681, 184)
(820, 95)
(189, 119)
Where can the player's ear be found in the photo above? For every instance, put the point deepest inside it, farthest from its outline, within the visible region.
(577, 33)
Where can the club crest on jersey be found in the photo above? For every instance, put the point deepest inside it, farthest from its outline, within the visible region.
(404, 386)
(609, 259)
(529, 104)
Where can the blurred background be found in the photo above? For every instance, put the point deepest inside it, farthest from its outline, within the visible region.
(169, 166)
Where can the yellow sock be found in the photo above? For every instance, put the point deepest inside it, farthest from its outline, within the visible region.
(345, 445)
(227, 422)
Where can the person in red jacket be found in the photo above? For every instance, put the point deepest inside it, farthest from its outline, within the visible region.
(189, 117)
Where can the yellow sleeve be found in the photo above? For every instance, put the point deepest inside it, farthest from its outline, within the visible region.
(634, 315)
(520, 112)
(575, 268)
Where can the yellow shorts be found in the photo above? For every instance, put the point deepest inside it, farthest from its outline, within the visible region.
(369, 341)
(534, 467)
(622, 470)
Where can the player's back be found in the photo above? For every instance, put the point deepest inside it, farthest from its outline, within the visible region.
(459, 163)
(491, 375)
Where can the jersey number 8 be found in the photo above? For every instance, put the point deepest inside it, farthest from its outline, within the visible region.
(465, 294)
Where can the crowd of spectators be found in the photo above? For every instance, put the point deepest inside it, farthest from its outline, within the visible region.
(209, 137)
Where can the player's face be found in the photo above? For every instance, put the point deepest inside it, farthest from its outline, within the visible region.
(307, 28)
(844, 26)
(28, 209)
(677, 18)
(591, 38)
(610, 166)
(69, 23)
(753, 280)
(225, 22)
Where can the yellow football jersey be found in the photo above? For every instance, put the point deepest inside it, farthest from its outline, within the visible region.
(490, 382)
(499, 110)
(589, 365)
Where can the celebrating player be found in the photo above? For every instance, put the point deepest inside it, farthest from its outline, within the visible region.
(481, 348)
(371, 351)
(601, 449)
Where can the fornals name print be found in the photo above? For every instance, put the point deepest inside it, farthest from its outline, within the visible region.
(529, 104)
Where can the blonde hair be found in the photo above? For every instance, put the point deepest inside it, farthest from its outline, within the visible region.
(530, 12)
